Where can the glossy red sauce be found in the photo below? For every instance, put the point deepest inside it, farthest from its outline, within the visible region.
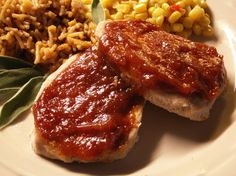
(155, 59)
(86, 110)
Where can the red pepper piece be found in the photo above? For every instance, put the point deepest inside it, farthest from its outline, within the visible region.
(175, 7)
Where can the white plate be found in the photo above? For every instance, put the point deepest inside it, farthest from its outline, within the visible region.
(168, 145)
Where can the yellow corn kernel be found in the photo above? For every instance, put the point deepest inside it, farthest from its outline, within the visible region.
(158, 12)
(208, 32)
(107, 3)
(195, 2)
(133, 13)
(150, 10)
(152, 3)
(151, 20)
(129, 16)
(181, 4)
(165, 6)
(161, 1)
(197, 29)
(187, 2)
(159, 20)
(188, 9)
(112, 16)
(203, 4)
(140, 8)
(117, 16)
(87, 2)
(177, 27)
(175, 16)
(196, 13)
(132, 3)
(143, 1)
(205, 21)
(124, 8)
(107, 14)
(187, 22)
(141, 16)
(88, 15)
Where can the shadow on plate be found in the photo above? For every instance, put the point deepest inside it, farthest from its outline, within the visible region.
(157, 122)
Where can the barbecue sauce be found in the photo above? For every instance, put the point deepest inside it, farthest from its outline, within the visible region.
(87, 110)
(150, 58)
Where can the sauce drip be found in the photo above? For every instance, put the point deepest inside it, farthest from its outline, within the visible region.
(150, 58)
(86, 110)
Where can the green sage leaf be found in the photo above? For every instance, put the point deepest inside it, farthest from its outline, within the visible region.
(20, 102)
(2, 70)
(6, 93)
(98, 12)
(7, 62)
(17, 77)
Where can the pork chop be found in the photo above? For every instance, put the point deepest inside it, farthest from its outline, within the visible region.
(84, 112)
(179, 75)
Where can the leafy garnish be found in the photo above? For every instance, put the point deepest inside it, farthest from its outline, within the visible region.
(19, 84)
(20, 102)
(6, 93)
(7, 62)
(17, 77)
(98, 13)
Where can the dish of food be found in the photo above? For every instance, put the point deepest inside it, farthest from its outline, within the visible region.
(166, 143)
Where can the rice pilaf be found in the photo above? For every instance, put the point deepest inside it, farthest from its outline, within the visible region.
(46, 31)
